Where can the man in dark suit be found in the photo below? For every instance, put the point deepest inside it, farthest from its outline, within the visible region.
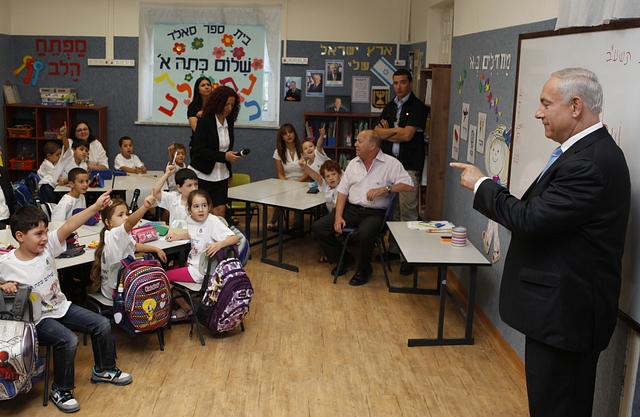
(561, 279)
(333, 74)
(337, 106)
(293, 93)
(316, 86)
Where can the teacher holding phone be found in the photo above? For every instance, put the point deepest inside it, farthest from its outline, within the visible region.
(212, 150)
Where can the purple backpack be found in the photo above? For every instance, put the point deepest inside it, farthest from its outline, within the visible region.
(227, 296)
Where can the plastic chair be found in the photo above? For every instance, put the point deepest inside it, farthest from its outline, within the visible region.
(347, 232)
(239, 208)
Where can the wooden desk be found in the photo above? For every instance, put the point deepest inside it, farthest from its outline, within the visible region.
(421, 249)
(290, 195)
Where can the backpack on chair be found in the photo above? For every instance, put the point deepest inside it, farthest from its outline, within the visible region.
(227, 295)
(142, 302)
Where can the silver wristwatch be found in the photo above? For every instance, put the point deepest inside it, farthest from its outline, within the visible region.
(388, 187)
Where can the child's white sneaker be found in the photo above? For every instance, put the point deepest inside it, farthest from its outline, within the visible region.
(113, 376)
(64, 400)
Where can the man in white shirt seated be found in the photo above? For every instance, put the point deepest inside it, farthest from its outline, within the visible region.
(364, 194)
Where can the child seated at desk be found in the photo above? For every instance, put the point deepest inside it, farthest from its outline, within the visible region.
(74, 156)
(328, 180)
(126, 160)
(116, 242)
(175, 202)
(33, 265)
(79, 182)
(313, 154)
(208, 235)
(47, 173)
(177, 155)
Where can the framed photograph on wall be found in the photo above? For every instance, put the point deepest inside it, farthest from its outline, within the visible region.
(334, 69)
(314, 85)
(337, 104)
(292, 90)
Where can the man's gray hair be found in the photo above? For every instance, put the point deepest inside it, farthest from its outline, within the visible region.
(373, 136)
(582, 83)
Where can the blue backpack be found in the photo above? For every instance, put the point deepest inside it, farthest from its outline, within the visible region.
(22, 192)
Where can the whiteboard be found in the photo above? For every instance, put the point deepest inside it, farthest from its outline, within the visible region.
(613, 53)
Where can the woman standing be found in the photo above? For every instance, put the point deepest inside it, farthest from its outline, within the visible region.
(97, 155)
(201, 94)
(212, 151)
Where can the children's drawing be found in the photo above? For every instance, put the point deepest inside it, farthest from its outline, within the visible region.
(464, 124)
(455, 144)
(496, 159)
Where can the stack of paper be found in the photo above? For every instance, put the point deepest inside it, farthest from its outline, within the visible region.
(441, 226)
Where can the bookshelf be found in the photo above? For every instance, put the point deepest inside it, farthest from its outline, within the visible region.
(341, 129)
(44, 118)
(438, 79)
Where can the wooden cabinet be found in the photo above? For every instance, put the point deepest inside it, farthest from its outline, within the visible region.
(341, 130)
(432, 197)
(44, 118)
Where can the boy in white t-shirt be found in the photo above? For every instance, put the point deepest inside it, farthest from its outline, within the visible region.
(79, 182)
(33, 265)
(313, 153)
(175, 202)
(76, 157)
(328, 180)
(126, 160)
(47, 173)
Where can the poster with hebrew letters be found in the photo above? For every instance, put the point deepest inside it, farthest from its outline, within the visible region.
(231, 55)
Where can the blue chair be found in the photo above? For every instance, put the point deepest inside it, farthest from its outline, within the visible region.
(347, 232)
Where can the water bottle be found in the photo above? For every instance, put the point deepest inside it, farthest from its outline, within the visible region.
(118, 305)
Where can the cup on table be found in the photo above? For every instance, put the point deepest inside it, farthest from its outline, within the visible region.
(459, 236)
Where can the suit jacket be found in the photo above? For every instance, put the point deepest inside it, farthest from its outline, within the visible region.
(205, 151)
(338, 76)
(7, 190)
(561, 280)
(315, 88)
(296, 94)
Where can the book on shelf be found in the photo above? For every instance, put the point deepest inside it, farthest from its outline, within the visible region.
(11, 95)
(427, 94)
(309, 130)
(359, 127)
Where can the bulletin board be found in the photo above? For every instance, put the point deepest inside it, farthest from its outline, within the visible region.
(613, 53)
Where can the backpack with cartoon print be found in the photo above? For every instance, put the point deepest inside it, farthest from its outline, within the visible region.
(142, 302)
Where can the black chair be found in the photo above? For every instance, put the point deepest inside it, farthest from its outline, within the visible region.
(347, 232)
